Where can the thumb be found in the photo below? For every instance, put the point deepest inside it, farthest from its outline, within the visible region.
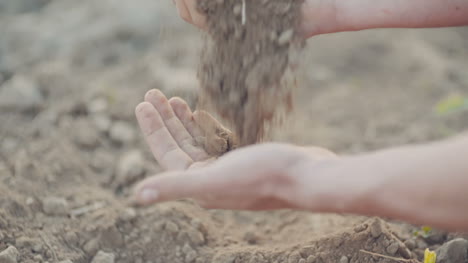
(172, 186)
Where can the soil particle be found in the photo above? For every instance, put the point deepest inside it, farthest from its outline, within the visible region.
(294, 257)
(122, 133)
(245, 60)
(344, 259)
(103, 257)
(9, 255)
(376, 228)
(410, 243)
(20, 94)
(130, 167)
(55, 206)
(392, 249)
(455, 251)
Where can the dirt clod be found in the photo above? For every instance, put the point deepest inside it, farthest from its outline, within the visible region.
(9, 255)
(103, 257)
(453, 251)
(55, 206)
(245, 60)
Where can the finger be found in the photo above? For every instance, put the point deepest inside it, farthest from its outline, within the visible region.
(163, 146)
(184, 114)
(197, 18)
(171, 186)
(182, 137)
(183, 11)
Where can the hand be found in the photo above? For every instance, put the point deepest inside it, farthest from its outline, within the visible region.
(257, 178)
(319, 16)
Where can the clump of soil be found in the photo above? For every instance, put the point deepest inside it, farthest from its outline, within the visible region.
(245, 60)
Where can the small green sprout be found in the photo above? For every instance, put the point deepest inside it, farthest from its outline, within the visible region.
(430, 256)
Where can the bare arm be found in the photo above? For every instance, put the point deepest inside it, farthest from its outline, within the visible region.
(424, 184)
(328, 16)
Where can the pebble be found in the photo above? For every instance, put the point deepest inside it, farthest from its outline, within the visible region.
(9, 255)
(84, 135)
(392, 249)
(103, 257)
(294, 257)
(66, 261)
(410, 244)
(97, 105)
(130, 167)
(455, 251)
(376, 228)
(20, 94)
(122, 133)
(285, 37)
(92, 246)
(102, 122)
(55, 206)
(128, 214)
(344, 259)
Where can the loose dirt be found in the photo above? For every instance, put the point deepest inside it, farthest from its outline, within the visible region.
(245, 59)
(70, 149)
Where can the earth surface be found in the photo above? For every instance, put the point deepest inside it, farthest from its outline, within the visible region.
(71, 73)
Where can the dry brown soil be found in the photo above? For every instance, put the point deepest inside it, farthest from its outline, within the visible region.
(71, 73)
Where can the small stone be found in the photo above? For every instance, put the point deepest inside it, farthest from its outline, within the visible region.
(38, 258)
(191, 256)
(302, 260)
(98, 105)
(71, 238)
(311, 259)
(455, 251)
(376, 228)
(128, 214)
(83, 134)
(92, 246)
(171, 227)
(103, 257)
(251, 237)
(122, 133)
(359, 228)
(421, 244)
(102, 122)
(392, 249)
(55, 206)
(9, 255)
(294, 257)
(20, 94)
(344, 259)
(285, 37)
(66, 261)
(29, 201)
(410, 244)
(37, 248)
(130, 167)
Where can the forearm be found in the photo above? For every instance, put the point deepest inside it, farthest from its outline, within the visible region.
(353, 15)
(420, 184)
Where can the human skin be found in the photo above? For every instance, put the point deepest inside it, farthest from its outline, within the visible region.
(331, 16)
(422, 184)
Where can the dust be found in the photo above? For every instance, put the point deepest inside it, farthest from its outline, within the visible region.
(245, 59)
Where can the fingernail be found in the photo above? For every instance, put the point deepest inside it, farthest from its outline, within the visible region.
(148, 195)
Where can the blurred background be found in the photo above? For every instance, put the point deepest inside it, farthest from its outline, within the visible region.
(71, 73)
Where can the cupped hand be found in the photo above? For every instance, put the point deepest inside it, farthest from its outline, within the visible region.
(258, 177)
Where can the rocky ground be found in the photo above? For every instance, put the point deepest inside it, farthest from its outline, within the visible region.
(71, 73)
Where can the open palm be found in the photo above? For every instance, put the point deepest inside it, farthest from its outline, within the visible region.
(174, 135)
